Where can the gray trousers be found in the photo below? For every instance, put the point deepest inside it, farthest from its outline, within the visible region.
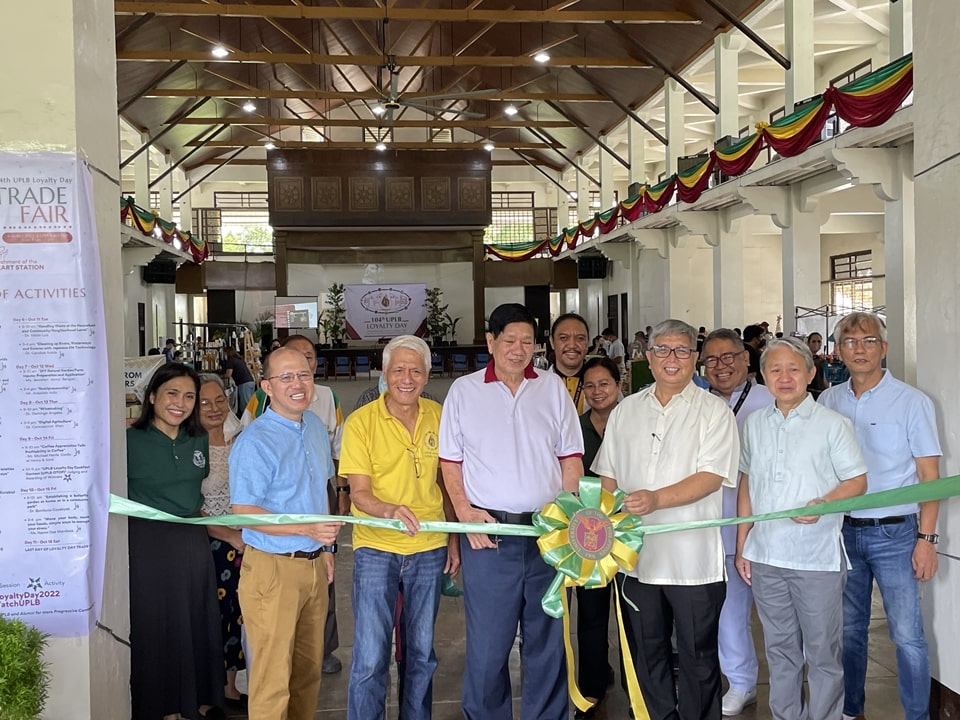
(802, 616)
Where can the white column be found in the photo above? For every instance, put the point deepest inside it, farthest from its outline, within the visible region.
(141, 176)
(186, 204)
(165, 186)
(726, 57)
(901, 28)
(637, 144)
(936, 177)
(798, 36)
(673, 93)
(606, 178)
(728, 278)
(583, 193)
(563, 206)
(801, 265)
(899, 243)
(59, 91)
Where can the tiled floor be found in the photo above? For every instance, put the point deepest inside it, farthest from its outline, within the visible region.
(882, 699)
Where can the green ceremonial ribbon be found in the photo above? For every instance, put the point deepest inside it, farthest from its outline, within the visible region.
(922, 492)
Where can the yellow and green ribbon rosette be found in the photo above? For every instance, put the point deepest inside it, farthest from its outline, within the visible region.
(588, 539)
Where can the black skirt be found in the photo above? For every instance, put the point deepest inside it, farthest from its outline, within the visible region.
(176, 651)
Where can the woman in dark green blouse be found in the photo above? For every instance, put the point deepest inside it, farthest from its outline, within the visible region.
(601, 390)
(176, 654)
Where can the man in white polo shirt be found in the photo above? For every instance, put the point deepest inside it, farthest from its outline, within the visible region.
(509, 442)
(672, 446)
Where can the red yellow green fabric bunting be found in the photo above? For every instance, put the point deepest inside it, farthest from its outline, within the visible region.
(147, 223)
(867, 102)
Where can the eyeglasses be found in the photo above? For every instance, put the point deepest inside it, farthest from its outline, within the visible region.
(869, 343)
(219, 402)
(662, 351)
(602, 385)
(711, 361)
(287, 378)
(416, 461)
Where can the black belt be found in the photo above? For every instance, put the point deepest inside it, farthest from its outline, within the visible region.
(874, 522)
(510, 518)
(311, 555)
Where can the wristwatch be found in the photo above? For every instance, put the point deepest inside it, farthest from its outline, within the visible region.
(332, 549)
(932, 538)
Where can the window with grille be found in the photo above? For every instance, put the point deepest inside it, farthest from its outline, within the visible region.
(835, 125)
(512, 218)
(851, 280)
(594, 207)
(244, 223)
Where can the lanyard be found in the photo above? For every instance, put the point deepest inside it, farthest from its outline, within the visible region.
(742, 398)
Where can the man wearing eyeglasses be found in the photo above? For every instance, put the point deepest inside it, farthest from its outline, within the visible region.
(897, 432)
(726, 366)
(671, 447)
(281, 464)
(391, 458)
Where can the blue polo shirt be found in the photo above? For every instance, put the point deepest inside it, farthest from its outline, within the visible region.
(790, 461)
(281, 466)
(895, 424)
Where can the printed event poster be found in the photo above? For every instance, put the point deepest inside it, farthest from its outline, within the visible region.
(54, 453)
(378, 311)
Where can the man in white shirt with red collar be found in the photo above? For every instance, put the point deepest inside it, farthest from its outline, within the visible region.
(509, 442)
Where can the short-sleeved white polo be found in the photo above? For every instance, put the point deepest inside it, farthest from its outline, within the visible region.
(647, 446)
(509, 446)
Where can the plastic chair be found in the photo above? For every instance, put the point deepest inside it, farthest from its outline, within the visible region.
(321, 369)
(436, 365)
(362, 365)
(342, 367)
(482, 360)
(459, 363)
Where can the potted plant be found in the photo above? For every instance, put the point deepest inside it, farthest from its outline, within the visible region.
(333, 319)
(436, 315)
(451, 323)
(24, 676)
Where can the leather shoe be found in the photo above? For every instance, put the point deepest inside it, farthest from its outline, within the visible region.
(586, 714)
(331, 665)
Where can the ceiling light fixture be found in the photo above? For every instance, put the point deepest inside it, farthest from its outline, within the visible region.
(378, 109)
(542, 57)
(511, 110)
(219, 51)
(249, 106)
(381, 146)
(269, 146)
(489, 146)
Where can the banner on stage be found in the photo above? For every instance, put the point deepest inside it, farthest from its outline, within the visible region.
(385, 311)
(54, 453)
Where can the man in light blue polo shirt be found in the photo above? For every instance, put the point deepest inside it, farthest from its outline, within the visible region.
(897, 430)
(797, 453)
(281, 464)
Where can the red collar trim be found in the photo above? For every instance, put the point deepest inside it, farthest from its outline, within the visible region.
(490, 375)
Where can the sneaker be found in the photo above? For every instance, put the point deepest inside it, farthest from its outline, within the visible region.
(853, 717)
(735, 701)
(331, 664)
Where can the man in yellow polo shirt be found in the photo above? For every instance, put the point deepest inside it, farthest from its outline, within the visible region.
(390, 457)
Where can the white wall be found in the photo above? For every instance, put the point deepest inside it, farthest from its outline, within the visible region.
(762, 279)
(691, 281)
(160, 313)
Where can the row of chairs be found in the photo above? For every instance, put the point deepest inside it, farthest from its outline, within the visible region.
(342, 367)
(459, 363)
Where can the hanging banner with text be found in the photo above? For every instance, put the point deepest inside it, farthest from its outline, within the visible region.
(381, 311)
(54, 453)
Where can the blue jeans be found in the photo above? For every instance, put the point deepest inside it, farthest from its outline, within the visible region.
(377, 579)
(884, 552)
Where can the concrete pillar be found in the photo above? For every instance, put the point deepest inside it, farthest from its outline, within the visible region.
(563, 206)
(607, 186)
(186, 204)
(798, 37)
(583, 193)
(141, 176)
(901, 28)
(726, 57)
(728, 279)
(636, 153)
(801, 266)
(936, 177)
(674, 93)
(62, 94)
(165, 186)
(899, 244)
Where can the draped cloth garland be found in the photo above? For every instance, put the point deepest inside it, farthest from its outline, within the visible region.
(146, 222)
(867, 102)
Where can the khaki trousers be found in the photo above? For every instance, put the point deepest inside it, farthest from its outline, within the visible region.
(284, 604)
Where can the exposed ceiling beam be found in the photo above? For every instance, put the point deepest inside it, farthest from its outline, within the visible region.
(552, 15)
(288, 144)
(374, 60)
(262, 162)
(168, 128)
(748, 31)
(630, 113)
(197, 182)
(586, 131)
(575, 165)
(853, 7)
(546, 175)
(174, 165)
(132, 27)
(256, 94)
(152, 85)
(376, 122)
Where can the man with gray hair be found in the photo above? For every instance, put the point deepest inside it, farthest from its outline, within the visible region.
(897, 430)
(671, 447)
(796, 453)
(390, 455)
